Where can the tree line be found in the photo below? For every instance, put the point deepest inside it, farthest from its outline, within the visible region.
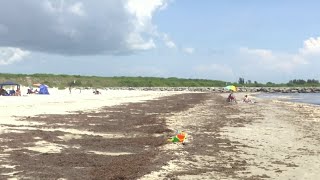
(294, 82)
(64, 81)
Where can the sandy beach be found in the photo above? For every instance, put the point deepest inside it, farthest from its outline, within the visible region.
(269, 139)
(123, 135)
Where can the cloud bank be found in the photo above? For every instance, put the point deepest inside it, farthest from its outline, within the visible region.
(79, 27)
(282, 61)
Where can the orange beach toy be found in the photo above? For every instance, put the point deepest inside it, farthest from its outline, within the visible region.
(180, 137)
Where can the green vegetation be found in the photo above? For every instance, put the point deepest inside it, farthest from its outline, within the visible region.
(291, 83)
(62, 81)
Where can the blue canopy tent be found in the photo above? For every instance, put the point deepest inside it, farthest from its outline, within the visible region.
(8, 83)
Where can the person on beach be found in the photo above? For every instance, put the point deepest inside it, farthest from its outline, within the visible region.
(3, 92)
(231, 98)
(30, 91)
(246, 99)
(96, 92)
(12, 92)
(18, 92)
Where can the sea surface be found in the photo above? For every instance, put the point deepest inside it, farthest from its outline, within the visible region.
(310, 98)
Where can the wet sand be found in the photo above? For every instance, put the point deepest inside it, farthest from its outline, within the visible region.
(264, 140)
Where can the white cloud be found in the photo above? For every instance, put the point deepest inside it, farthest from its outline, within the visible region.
(168, 42)
(277, 66)
(144, 10)
(80, 27)
(311, 46)
(136, 42)
(188, 50)
(77, 9)
(282, 61)
(11, 55)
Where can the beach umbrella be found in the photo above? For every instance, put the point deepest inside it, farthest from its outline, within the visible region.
(231, 87)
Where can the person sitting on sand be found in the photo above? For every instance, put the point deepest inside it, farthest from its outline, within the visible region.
(18, 92)
(32, 92)
(96, 92)
(231, 98)
(3, 92)
(246, 99)
(12, 92)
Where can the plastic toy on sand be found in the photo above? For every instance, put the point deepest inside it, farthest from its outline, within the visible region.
(180, 137)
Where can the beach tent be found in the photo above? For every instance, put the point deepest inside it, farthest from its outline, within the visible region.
(9, 83)
(43, 89)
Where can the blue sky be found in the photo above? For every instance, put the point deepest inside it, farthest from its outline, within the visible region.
(223, 40)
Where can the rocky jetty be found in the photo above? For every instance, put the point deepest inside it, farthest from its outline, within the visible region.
(221, 89)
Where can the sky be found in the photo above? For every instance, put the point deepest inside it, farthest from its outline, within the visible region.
(263, 41)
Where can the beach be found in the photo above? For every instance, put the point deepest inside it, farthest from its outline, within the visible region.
(123, 135)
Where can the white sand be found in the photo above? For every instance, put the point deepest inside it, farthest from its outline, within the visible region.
(62, 102)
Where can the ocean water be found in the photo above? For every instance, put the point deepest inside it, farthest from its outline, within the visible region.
(310, 98)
